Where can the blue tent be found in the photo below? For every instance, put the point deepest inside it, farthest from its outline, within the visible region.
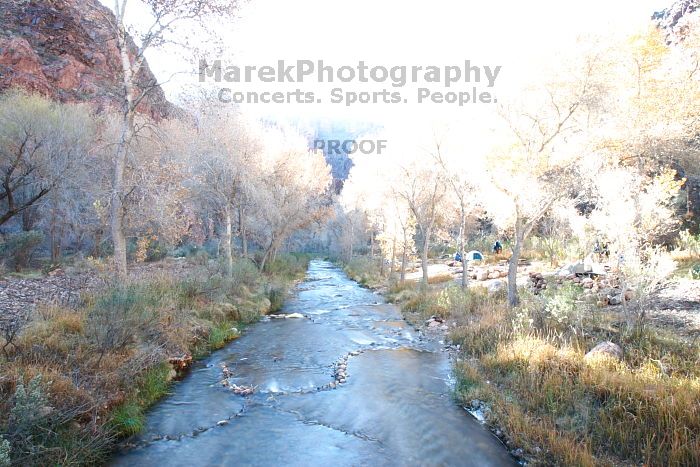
(471, 256)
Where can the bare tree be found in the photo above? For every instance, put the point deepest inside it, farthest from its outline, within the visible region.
(537, 170)
(167, 16)
(40, 142)
(294, 194)
(462, 190)
(423, 189)
(224, 164)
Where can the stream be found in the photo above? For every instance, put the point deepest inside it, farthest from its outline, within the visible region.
(395, 406)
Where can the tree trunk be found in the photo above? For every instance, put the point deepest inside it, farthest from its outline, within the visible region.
(268, 253)
(403, 259)
(352, 240)
(424, 257)
(465, 282)
(513, 299)
(117, 212)
(393, 255)
(55, 237)
(117, 208)
(242, 231)
(226, 240)
(55, 246)
(97, 249)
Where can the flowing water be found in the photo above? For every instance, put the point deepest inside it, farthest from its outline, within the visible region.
(395, 408)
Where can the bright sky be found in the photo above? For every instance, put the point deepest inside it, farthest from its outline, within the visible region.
(519, 36)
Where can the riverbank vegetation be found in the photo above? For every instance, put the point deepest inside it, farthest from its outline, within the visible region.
(75, 380)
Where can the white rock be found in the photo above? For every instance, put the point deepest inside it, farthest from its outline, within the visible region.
(605, 348)
(496, 286)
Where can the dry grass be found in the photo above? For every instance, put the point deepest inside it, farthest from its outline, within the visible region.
(563, 409)
(440, 278)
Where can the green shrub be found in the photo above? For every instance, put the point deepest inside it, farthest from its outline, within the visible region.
(28, 413)
(120, 316)
(220, 335)
(562, 310)
(276, 293)
(363, 270)
(19, 247)
(128, 419)
(38, 434)
(288, 266)
(244, 273)
(154, 384)
(4, 452)
(156, 251)
(695, 272)
(188, 291)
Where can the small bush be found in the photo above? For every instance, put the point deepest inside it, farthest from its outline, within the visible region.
(38, 433)
(695, 272)
(156, 251)
(219, 335)
(4, 452)
(120, 316)
(244, 273)
(276, 293)
(19, 247)
(128, 419)
(288, 266)
(154, 384)
(29, 410)
(364, 271)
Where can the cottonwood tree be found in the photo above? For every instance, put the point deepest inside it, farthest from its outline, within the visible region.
(224, 164)
(293, 193)
(371, 189)
(166, 18)
(401, 228)
(538, 168)
(154, 188)
(632, 211)
(461, 190)
(424, 191)
(40, 143)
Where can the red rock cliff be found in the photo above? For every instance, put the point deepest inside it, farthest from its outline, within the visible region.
(64, 49)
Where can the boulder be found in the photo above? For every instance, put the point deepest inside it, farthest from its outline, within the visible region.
(496, 286)
(481, 275)
(605, 348)
(494, 275)
(615, 299)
